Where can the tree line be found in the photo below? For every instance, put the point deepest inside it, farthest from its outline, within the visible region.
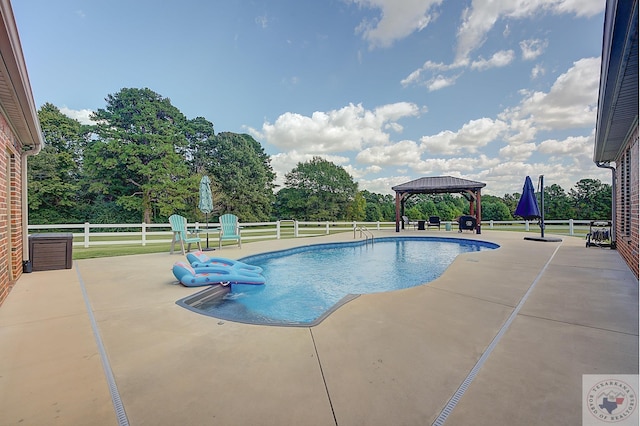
(143, 161)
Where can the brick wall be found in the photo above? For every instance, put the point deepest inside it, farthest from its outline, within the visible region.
(628, 240)
(10, 210)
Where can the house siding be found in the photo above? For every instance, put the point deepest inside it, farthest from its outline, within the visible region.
(10, 210)
(628, 204)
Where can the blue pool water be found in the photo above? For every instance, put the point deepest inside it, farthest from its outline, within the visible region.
(304, 284)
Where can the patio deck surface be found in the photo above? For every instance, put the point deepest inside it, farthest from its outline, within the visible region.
(558, 310)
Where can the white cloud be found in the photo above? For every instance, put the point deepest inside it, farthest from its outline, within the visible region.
(440, 82)
(571, 146)
(580, 7)
(537, 71)
(262, 21)
(458, 166)
(473, 135)
(333, 135)
(518, 152)
(383, 185)
(357, 173)
(401, 153)
(350, 128)
(416, 76)
(480, 18)
(82, 115)
(397, 20)
(499, 59)
(571, 102)
(532, 48)
(482, 15)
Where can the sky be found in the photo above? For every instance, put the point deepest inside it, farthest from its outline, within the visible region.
(391, 90)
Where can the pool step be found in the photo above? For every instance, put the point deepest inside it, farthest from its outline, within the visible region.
(213, 293)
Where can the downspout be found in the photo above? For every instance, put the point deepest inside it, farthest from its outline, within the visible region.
(606, 165)
(25, 200)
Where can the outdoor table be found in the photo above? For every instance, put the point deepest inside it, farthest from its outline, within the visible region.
(421, 225)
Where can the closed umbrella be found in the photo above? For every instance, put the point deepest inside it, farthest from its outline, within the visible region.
(528, 205)
(206, 201)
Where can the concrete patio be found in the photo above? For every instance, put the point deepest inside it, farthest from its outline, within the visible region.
(556, 310)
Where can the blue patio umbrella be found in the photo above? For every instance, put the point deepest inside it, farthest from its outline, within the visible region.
(206, 200)
(528, 205)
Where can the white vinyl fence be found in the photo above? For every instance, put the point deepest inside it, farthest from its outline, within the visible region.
(94, 234)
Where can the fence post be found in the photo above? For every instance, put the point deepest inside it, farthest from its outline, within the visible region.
(327, 228)
(526, 225)
(277, 230)
(144, 234)
(86, 235)
(571, 227)
(295, 228)
(491, 224)
(378, 225)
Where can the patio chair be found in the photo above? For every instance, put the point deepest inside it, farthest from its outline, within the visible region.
(179, 228)
(433, 221)
(229, 229)
(466, 222)
(408, 222)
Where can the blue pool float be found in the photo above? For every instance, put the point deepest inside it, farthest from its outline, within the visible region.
(191, 277)
(199, 260)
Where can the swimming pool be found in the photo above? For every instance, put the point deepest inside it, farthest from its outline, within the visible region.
(305, 284)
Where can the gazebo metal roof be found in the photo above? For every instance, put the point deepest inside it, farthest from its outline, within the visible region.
(438, 185)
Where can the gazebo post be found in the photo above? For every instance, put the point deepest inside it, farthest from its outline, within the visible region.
(478, 213)
(398, 213)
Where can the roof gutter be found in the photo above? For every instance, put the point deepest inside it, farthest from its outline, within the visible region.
(23, 116)
(606, 165)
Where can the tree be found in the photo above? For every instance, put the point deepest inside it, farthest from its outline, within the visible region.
(356, 210)
(511, 201)
(495, 211)
(414, 213)
(200, 134)
(326, 190)
(136, 159)
(243, 175)
(373, 213)
(379, 207)
(54, 174)
(494, 208)
(557, 204)
(591, 199)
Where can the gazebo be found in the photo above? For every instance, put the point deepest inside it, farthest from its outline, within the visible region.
(440, 185)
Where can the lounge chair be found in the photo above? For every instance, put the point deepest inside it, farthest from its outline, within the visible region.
(179, 228)
(190, 277)
(201, 261)
(433, 221)
(408, 222)
(229, 229)
(466, 223)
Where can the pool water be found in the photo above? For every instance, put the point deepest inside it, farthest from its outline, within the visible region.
(303, 285)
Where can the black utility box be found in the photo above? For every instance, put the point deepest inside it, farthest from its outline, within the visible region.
(50, 251)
